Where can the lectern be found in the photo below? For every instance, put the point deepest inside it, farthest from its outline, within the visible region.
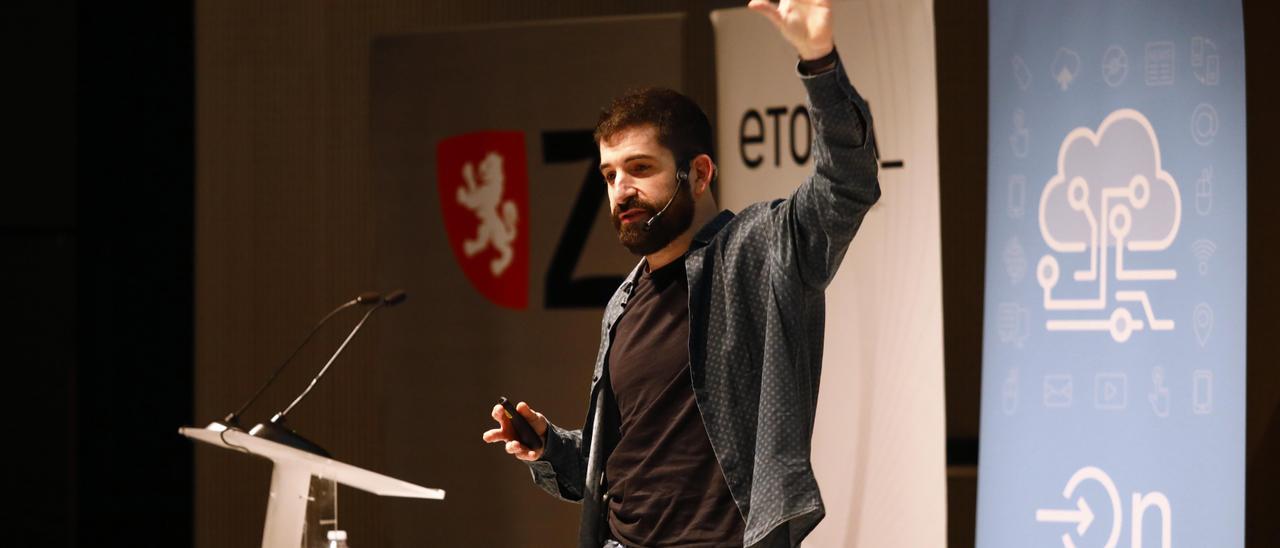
(291, 480)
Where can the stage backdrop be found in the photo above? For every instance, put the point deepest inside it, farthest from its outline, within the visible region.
(1114, 348)
(492, 214)
(878, 440)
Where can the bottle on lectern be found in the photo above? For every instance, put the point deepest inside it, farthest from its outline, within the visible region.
(338, 539)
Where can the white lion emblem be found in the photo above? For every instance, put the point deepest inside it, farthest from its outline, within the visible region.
(484, 199)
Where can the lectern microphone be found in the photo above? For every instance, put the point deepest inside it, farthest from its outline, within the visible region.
(232, 420)
(276, 430)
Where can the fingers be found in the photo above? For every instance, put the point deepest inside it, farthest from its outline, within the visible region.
(535, 419)
(494, 436)
(768, 10)
(521, 452)
(504, 422)
(503, 432)
(506, 432)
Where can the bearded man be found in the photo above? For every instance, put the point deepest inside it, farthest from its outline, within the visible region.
(706, 383)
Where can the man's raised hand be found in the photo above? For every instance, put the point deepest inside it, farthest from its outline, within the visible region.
(806, 24)
(506, 432)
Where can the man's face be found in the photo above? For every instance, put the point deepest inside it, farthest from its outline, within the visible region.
(641, 177)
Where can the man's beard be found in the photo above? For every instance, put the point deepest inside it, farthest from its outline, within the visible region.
(667, 227)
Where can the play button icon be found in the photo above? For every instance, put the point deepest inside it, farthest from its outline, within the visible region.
(1110, 391)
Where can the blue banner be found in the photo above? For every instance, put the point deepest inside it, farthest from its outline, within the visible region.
(1113, 393)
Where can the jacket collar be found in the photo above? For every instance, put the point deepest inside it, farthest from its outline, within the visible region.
(709, 230)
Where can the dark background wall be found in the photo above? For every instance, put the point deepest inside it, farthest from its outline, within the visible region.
(100, 227)
(38, 269)
(96, 225)
(1262, 472)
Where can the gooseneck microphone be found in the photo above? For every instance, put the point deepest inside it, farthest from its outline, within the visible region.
(682, 176)
(276, 430)
(233, 420)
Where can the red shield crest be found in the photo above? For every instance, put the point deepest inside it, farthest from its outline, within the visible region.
(483, 181)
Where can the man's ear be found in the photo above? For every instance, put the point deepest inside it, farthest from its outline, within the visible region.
(704, 171)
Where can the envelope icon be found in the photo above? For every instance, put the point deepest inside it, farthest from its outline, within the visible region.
(1057, 390)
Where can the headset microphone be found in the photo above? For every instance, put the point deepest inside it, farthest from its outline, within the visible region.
(682, 176)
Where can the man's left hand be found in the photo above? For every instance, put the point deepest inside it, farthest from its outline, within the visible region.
(806, 24)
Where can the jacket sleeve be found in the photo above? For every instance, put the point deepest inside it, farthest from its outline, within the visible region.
(816, 224)
(562, 470)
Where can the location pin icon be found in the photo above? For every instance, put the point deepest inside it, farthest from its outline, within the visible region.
(1202, 321)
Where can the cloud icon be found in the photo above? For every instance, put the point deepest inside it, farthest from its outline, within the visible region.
(1110, 187)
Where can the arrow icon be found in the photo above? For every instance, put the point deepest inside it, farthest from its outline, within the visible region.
(1082, 517)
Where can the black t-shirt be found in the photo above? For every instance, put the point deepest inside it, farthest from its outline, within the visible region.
(665, 486)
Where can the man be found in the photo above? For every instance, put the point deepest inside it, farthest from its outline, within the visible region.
(706, 382)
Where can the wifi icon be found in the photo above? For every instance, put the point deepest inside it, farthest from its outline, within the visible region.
(1203, 250)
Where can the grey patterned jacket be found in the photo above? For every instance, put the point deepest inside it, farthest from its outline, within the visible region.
(757, 285)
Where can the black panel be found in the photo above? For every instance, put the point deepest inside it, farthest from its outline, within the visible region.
(134, 221)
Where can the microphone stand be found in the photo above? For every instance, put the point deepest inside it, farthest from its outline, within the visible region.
(232, 420)
(276, 430)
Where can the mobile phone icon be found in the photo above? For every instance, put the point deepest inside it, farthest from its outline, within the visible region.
(1202, 392)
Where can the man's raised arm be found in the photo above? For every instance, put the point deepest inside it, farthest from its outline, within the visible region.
(817, 223)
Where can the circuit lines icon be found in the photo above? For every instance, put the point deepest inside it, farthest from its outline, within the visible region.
(1109, 198)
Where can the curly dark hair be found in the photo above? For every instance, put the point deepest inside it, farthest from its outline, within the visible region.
(682, 126)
